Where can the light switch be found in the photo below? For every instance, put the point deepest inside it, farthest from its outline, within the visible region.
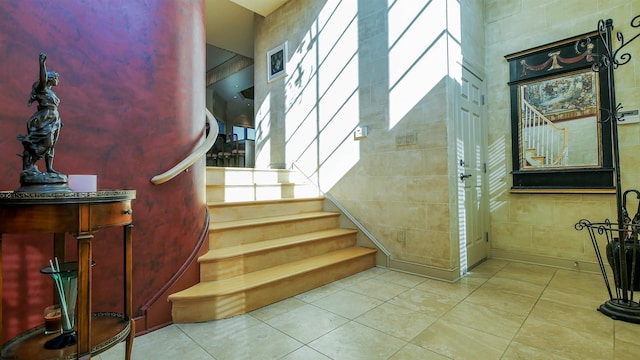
(630, 117)
(361, 132)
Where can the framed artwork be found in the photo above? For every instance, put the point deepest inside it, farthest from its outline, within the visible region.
(561, 138)
(277, 62)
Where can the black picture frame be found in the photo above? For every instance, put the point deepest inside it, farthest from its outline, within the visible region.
(277, 62)
(561, 60)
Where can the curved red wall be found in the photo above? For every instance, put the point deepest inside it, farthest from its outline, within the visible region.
(132, 90)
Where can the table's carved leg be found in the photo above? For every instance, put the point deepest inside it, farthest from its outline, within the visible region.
(85, 257)
(130, 337)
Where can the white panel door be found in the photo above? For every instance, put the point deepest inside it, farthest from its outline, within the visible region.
(471, 173)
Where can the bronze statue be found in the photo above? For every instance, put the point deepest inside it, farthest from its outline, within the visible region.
(43, 129)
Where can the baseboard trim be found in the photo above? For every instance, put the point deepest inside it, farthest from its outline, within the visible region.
(449, 275)
(560, 263)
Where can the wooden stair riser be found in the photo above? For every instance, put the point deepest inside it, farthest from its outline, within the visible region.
(254, 210)
(232, 193)
(266, 243)
(219, 238)
(238, 176)
(224, 306)
(217, 269)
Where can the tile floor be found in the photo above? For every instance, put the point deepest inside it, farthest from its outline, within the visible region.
(501, 310)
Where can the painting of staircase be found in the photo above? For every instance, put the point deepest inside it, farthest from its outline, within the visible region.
(269, 239)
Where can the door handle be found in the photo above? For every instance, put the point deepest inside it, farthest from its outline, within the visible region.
(464, 176)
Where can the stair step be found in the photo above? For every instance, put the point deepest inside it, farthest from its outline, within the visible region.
(245, 184)
(247, 176)
(243, 223)
(236, 260)
(266, 245)
(269, 239)
(230, 211)
(230, 233)
(263, 277)
(247, 192)
(224, 298)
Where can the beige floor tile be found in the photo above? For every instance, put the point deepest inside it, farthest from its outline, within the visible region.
(578, 345)
(460, 342)
(626, 350)
(577, 280)
(318, 293)
(517, 351)
(590, 300)
(276, 309)
(514, 286)
(427, 303)
(305, 353)
(361, 276)
(500, 300)
(354, 341)
(219, 328)
(473, 318)
(487, 268)
(458, 290)
(396, 321)
(378, 288)
(574, 317)
(472, 281)
(375, 271)
(492, 321)
(626, 331)
(307, 323)
(540, 275)
(256, 342)
(348, 304)
(414, 352)
(401, 278)
(166, 343)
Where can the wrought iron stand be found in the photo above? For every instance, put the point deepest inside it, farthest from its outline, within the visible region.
(620, 239)
(623, 258)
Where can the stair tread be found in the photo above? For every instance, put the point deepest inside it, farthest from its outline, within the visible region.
(243, 169)
(262, 202)
(290, 244)
(232, 251)
(262, 277)
(262, 184)
(269, 220)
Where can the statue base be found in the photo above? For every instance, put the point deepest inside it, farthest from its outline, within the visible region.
(39, 182)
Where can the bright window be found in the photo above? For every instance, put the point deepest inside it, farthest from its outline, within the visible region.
(244, 133)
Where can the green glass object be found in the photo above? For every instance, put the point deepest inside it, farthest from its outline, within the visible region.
(65, 277)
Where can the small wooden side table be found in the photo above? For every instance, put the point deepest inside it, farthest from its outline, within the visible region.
(80, 214)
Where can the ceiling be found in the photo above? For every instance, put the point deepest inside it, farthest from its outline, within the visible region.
(229, 31)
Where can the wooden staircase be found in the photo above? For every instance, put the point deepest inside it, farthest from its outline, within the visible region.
(269, 239)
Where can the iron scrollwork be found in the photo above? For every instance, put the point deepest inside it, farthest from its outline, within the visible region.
(621, 238)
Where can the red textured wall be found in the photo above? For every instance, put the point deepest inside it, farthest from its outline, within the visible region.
(132, 103)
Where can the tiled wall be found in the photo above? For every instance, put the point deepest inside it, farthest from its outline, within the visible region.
(539, 227)
(379, 64)
(345, 69)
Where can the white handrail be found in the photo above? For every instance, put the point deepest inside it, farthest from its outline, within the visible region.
(194, 156)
